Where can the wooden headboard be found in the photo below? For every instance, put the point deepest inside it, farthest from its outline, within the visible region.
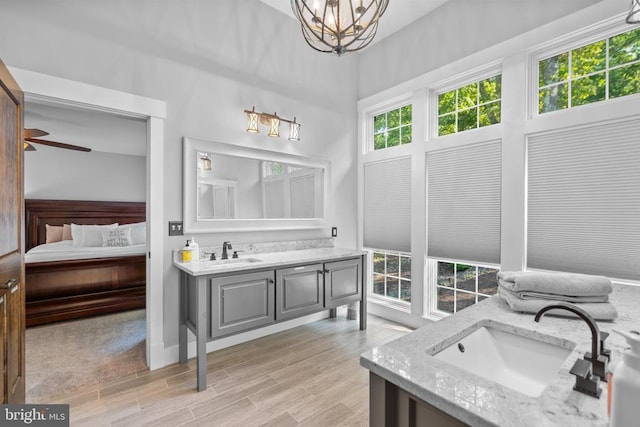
(40, 212)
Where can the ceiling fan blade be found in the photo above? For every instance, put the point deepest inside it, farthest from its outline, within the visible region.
(58, 144)
(29, 147)
(34, 133)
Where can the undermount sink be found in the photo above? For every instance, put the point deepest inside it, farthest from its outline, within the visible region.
(231, 261)
(496, 352)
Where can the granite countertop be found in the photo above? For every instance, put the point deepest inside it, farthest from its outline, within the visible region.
(407, 362)
(265, 260)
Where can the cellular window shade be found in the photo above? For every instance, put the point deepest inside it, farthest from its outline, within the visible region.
(387, 205)
(583, 212)
(464, 191)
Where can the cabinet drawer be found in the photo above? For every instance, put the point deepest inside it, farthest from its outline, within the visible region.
(299, 291)
(342, 282)
(240, 303)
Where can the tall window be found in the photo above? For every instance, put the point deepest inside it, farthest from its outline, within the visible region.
(606, 69)
(469, 107)
(462, 285)
(392, 275)
(392, 128)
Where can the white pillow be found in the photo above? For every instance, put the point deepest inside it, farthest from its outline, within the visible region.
(138, 232)
(89, 235)
(116, 237)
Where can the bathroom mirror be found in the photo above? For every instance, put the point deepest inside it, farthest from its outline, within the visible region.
(235, 188)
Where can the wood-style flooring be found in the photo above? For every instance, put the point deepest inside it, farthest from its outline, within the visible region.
(306, 376)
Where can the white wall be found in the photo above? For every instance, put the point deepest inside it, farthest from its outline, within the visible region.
(54, 173)
(209, 60)
(456, 29)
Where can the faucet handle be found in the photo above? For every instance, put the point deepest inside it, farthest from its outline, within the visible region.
(585, 382)
(599, 366)
(604, 351)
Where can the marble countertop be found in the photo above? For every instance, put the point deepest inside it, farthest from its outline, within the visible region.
(407, 362)
(265, 260)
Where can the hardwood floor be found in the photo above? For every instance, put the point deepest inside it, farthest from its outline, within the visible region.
(308, 376)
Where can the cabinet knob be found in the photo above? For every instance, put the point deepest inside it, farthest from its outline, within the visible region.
(270, 281)
(10, 283)
(326, 270)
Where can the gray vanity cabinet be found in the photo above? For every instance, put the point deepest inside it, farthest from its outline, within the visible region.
(299, 291)
(342, 282)
(241, 302)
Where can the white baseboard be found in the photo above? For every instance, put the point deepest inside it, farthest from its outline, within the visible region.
(171, 354)
(395, 314)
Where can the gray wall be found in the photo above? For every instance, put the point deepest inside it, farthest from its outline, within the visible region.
(209, 60)
(456, 29)
(53, 173)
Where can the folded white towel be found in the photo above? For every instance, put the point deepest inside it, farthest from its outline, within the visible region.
(551, 297)
(577, 285)
(599, 311)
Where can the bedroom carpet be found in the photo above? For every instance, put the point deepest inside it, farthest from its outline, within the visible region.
(66, 357)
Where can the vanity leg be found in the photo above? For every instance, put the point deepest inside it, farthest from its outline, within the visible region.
(201, 333)
(332, 313)
(182, 329)
(363, 299)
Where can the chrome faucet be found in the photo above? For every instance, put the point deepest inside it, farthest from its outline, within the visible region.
(587, 375)
(225, 246)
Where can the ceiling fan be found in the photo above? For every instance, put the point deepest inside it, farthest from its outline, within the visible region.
(33, 135)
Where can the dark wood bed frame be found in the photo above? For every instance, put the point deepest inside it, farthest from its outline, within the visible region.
(65, 290)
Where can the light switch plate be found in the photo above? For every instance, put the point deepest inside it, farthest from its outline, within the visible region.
(175, 228)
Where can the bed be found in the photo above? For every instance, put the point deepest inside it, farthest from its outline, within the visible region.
(64, 281)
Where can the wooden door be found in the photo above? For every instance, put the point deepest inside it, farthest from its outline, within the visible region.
(12, 322)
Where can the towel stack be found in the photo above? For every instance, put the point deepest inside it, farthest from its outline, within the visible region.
(529, 291)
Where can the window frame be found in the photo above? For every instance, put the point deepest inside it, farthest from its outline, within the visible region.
(476, 75)
(566, 44)
(431, 273)
(406, 305)
(393, 104)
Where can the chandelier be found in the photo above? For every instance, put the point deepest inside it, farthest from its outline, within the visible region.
(634, 12)
(339, 26)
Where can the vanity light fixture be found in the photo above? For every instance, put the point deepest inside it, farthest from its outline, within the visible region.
(634, 13)
(273, 121)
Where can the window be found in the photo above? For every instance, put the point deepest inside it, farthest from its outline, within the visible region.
(469, 107)
(392, 128)
(606, 69)
(392, 275)
(461, 285)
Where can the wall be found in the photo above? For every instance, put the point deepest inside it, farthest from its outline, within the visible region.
(209, 61)
(519, 121)
(54, 173)
(456, 29)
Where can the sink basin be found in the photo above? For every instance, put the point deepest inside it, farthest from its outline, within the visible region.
(230, 261)
(498, 353)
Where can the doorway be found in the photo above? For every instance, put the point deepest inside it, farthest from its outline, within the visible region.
(45, 89)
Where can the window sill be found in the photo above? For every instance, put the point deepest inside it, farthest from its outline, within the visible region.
(395, 312)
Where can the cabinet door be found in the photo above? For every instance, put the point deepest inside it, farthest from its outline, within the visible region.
(241, 302)
(299, 291)
(342, 282)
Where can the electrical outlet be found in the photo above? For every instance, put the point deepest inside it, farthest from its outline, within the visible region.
(334, 231)
(175, 228)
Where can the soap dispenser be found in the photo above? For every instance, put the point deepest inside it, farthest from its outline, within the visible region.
(187, 253)
(625, 410)
(195, 248)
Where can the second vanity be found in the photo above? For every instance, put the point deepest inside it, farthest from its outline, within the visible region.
(226, 297)
(417, 379)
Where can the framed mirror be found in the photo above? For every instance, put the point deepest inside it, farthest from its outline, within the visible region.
(234, 188)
